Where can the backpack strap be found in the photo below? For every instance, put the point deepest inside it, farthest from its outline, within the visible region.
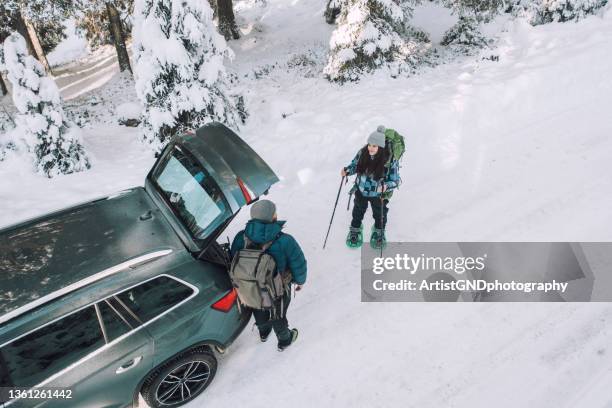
(265, 246)
(247, 241)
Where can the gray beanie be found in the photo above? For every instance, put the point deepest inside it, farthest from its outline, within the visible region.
(378, 137)
(263, 210)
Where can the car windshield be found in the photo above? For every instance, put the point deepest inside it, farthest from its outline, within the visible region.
(191, 193)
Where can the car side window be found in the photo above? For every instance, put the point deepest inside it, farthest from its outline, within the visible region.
(36, 356)
(154, 297)
(114, 325)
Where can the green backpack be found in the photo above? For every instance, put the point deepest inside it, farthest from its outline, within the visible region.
(395, 144)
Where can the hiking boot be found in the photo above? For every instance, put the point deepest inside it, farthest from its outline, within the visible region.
(378, 239)
(263, 336)
(282, 345)
(354, 239)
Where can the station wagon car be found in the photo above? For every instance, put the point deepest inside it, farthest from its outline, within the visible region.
(129, 294)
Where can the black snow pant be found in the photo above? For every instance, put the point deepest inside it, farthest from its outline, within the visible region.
(360, 205)
(265, 323)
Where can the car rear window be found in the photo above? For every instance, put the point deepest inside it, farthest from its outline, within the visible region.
(31, 359)
(154, 297)
(191, 193)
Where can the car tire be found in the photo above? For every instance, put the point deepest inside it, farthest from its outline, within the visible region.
(181, 379)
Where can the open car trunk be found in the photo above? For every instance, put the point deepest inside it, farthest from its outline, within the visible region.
(201, 181)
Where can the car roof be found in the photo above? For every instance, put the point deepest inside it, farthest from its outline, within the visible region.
(54, 254)
(171, 265)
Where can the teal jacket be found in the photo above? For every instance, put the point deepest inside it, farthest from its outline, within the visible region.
(285, 249)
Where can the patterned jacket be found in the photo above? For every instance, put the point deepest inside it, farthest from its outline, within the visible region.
(368, 186)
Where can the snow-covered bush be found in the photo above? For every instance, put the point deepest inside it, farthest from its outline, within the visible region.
(548, 11)
(41, 123)
(6, 127)
(465, 36)
(370, 35)
(128, 114)
(179, 71)
(7, 145)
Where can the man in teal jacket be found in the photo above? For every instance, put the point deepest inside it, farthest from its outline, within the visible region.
(290, 262)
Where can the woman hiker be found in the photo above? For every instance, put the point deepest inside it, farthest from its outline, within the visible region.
(377, 175)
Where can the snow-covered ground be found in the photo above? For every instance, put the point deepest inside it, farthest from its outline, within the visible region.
(517, 149)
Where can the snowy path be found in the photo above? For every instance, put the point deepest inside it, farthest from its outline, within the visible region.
(89, 74)
(513, 150)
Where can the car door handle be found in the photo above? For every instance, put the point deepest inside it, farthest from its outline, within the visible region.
(129, 364)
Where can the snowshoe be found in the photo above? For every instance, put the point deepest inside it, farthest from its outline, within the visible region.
(354, 239)
(378, 239)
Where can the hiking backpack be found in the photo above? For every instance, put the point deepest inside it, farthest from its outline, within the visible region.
(395, 145)
(253, 274)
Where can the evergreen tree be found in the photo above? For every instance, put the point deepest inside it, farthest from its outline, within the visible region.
(372, 34)
(104, 22)
(367, 37)
(465, 36)
(40, 22)
(475, 10)
(179, 71)
(41, 122)
(227, 21)
(548, 11)
(332, 11)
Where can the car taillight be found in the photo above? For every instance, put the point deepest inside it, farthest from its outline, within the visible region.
(245, 191)
(226, 302)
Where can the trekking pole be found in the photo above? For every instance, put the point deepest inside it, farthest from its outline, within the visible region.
(382, 216)
(334, 211)
(348, 204)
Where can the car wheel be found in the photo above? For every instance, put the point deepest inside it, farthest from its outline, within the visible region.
(180, 380)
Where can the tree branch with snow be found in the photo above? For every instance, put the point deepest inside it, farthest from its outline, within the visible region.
(41, 124)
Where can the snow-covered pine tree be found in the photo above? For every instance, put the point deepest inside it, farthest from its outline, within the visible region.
(465, 36)
(479, 10)
(179, 71)
(368, 37)
(103, 23)
(548, 11)
(40, 22)
(94, 21)
(332, 10)
(41, 122)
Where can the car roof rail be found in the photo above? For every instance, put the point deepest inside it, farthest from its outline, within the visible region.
(129, 264)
